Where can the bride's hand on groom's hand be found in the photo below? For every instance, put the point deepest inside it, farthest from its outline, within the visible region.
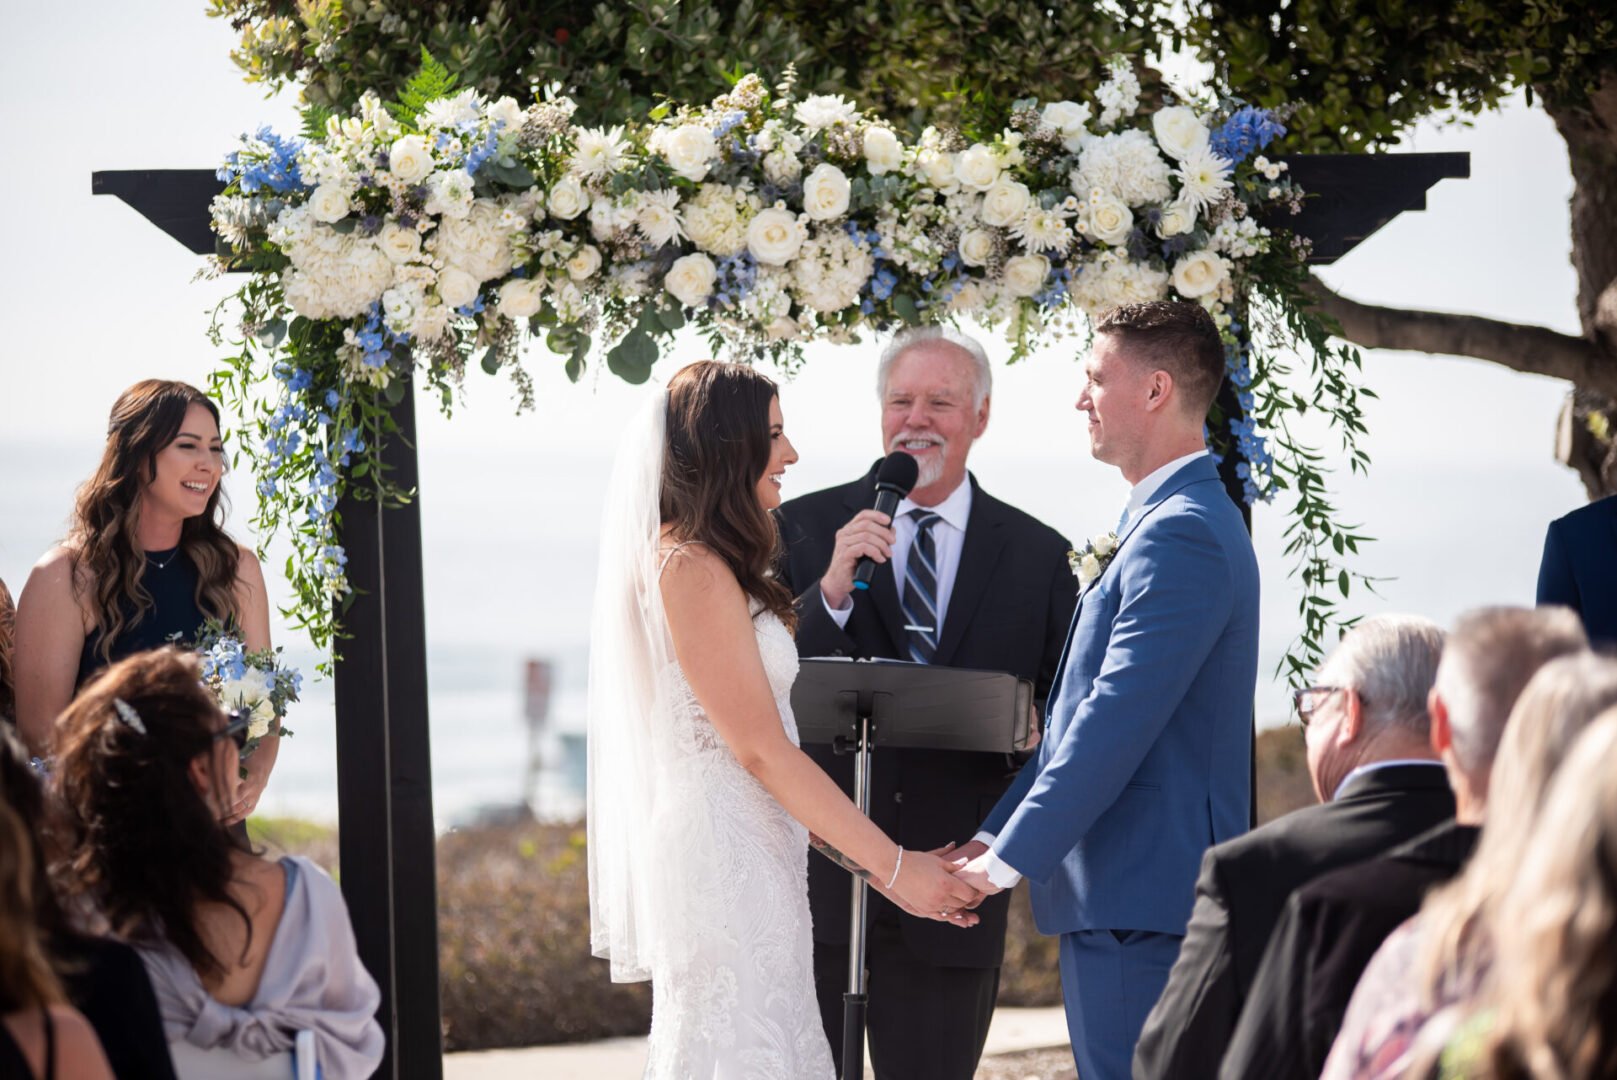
(927, 886)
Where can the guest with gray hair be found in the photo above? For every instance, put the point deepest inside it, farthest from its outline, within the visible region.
(962, 579)
(1379, 783)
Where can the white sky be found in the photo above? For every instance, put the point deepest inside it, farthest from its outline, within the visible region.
(92, 298)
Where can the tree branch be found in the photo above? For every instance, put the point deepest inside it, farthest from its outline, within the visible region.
(1536, 350)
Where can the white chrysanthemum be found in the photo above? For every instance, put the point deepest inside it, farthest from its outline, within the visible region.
(1203, 178)
(598, 153)
(454, 113)
(829, 271)
(658, 217)
(819, 111)
(716, 219)
(1042, 230)
(1127, 164)
(476, 243)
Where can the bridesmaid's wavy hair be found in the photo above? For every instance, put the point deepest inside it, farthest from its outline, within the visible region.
(717, 450)
(108, 560)
(146, 848)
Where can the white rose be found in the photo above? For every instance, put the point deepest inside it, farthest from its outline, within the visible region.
(688, 149)
(1179, 131)
(1199, 273)
(399, 244)
(883, 152)
(1177, 218)
(409, 159)
(328, 203)
(1110, 221)
(977, 168)
(507, 111)
(690, 279)
(1005, 202)
(1088, 569)
(976, 245)
(783, 328)
(567, 199)
(781, 167)
(937, 169)
(520, 298)
(1069, 119)
(825, 193)
(456, 288)
(1104, 544)
(1025, 274)
(585, 261)
(774, 236)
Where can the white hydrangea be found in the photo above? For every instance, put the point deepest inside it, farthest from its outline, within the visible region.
(716, 219)
(477, 243)
(334, 276)
(1109, 280)
(819, 111)
(1126, 164)
(770, 298)
(829, 271)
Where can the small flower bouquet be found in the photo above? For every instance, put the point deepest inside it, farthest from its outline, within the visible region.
(1091, 562)
(252, 682)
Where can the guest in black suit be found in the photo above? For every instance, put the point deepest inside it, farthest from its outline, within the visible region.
(1379, 784)
(1001, 583)
(1334, 924)
(1579, 568)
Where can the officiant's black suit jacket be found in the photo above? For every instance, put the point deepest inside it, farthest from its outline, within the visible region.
(1579, 568)
(1242, 890)
(1012, 599)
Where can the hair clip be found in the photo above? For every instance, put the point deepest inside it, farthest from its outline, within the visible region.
(128, 715)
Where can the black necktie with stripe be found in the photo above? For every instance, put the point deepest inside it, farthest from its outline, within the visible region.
(919, 598)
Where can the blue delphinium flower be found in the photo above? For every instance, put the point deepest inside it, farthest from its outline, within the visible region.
(1248, 129)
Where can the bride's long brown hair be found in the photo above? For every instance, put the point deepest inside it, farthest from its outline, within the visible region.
(717, 450)
(107, 558)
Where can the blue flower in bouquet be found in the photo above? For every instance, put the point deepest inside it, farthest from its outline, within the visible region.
(250, 682)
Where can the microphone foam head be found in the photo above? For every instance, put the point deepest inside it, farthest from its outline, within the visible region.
(898, 472)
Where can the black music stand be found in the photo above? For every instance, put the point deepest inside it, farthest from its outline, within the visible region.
(855, 706)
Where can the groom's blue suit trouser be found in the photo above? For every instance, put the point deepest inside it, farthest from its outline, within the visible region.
(1110, 979)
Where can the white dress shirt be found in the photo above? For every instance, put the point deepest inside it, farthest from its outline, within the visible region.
(1372, 766)
(1000, 872)
(948, 537)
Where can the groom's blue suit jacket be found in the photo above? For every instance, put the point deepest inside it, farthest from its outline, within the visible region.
(1146, 756)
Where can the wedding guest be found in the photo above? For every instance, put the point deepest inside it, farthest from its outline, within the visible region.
(243, 952)
(40, 1035)
(1334, 924)
(1579, 567)
(102, 978)
(1003, 596)
(1444, 953)
(8, 684)
(146, 558)
(1551, 1008)
(1379, 783)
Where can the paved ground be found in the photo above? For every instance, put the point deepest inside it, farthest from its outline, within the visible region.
(1013, 1031)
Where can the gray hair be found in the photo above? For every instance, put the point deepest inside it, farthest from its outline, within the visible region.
(1391, 662)
(1492, 654)
(904, 340)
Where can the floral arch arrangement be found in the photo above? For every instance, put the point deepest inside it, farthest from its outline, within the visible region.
(415, 238)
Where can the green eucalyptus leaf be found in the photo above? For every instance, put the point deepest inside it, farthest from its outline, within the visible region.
(491, 361)
(631, 358)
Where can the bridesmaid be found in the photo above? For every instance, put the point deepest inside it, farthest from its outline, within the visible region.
(146, 558)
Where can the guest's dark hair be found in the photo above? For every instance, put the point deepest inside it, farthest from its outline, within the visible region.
(1176, 337)
(20, 786)
(26, 978)
(148, 849)
(107, 560)
(8, 678)
(716, 452)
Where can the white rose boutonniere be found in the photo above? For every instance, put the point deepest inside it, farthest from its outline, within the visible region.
(1090, 563)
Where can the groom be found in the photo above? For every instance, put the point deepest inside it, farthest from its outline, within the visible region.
(1145, 762)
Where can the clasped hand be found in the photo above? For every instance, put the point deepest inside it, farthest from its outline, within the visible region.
(945, 884)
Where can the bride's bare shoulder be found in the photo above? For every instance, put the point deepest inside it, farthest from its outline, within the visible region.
(691, 568)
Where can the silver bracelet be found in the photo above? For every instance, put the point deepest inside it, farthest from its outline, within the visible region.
(896, 867)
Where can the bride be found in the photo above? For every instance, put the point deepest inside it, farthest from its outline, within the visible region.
(701, 805)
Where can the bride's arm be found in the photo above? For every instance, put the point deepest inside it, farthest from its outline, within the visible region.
(718, 652)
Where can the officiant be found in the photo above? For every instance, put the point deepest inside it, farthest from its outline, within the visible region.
(961, 579)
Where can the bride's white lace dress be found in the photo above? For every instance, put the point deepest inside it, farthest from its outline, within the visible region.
(733, 996)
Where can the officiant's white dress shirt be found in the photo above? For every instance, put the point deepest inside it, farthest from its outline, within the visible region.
(948, 537)
(1000, 872)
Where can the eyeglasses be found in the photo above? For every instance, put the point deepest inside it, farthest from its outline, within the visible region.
(237, 728)
(1308, 699)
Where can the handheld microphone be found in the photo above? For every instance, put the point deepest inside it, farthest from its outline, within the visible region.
(894, 479)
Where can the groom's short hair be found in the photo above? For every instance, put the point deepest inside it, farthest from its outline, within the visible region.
(1176, 337)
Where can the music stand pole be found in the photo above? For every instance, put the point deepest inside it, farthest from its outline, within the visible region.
(856, 1000)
